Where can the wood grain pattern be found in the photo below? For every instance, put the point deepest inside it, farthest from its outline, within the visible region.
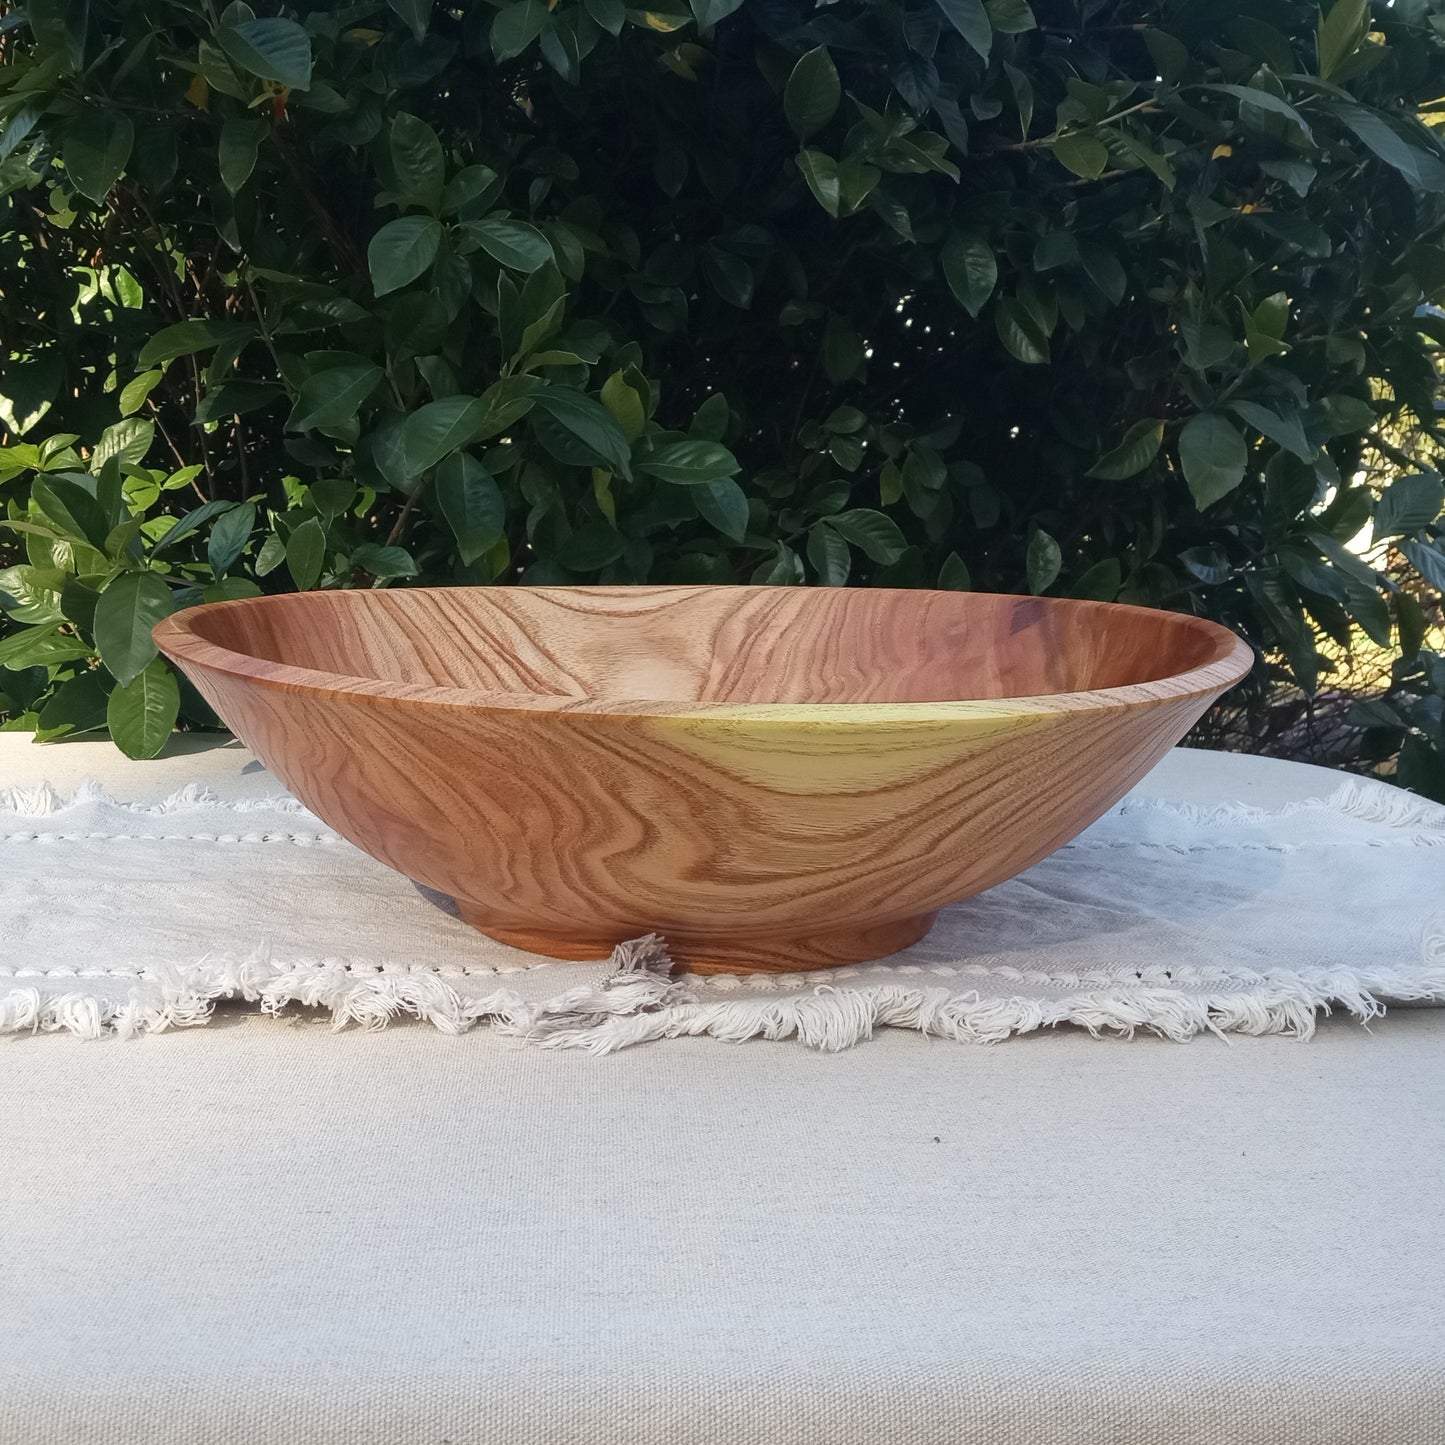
(773, 778)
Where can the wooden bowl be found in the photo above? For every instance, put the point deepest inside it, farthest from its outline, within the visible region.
(773, 778)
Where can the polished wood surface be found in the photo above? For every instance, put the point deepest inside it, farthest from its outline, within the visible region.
(772, 778)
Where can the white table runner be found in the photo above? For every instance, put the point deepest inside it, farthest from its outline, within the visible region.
(265, 1232)
(139, 916)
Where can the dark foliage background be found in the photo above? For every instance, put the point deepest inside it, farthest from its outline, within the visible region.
(1122, 301)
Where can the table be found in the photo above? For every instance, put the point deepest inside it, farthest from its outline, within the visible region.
(263, 1233)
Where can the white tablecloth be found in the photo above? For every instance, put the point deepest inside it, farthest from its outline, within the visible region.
(262, 1232)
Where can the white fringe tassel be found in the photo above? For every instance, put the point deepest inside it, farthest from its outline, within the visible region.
(43, 800)
(640, 1001)
(1363, 799)
(168, 997)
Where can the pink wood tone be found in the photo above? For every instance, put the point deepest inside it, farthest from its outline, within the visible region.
(773, 778)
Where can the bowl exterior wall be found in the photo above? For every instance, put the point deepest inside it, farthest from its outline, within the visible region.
(735, 836)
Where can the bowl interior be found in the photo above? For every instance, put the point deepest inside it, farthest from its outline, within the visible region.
(717, 644)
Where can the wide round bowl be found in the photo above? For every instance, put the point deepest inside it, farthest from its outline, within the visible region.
(773, 778)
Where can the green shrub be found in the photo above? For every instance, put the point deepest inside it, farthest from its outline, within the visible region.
(1109, 301)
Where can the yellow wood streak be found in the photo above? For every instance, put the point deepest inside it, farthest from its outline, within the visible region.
(795, 750)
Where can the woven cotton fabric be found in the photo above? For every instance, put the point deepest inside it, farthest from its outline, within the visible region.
(1176, 918)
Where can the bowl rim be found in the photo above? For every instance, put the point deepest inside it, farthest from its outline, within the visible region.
(1231, 660)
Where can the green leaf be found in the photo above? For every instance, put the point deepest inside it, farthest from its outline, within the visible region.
(271, 48)
(1101, 582)
(472, 189)
(591, 424)
(724, 504)
(331, 496)
(40, 647)
(1084, 155)
(1213, 456)
(187, 337)
(236, 152)
(1055, 249)
(1371, 611)
(229, 535)
(1422, 768)
(129, 439)
(306, 553)
(829, 554)
(141, 713)
(125, 614)
(602, 494)
(436, 430)
(1104, 269)
(1408, 505)
(333, 396)
(953, 576)
(711, 420)
(513, 244)
(1412, 623)
(1341, 29)
(1429, 562)
(384, 562)
(1299, 176)
(1020, 332)
(1208, 564)
(783, 569)
(414, 13)
(812, 93)
(970, 268)
(76, 706)
(271, 555)
(1265, 100)
(1043, 562)
(1293, 635)
(611, 15)
(471, 503)
(591, 547)
(516, 26)
(235, 398)
(843, 356)
(401, 251)
(708, 12)
(416, 159)
(1170, 56)
(873, 533)
(1284, 429)
(1264, 328)
(72, 509)
(78, 601)
(731, 277)
(1022, 89)
(1372, 712)
(821, 173)
(1345, 415)
(689, 462)
(625, 405)
(96, 151)
(1011, 17)
(133, 394)
(189, 525)
(1422, 169)
(18, 127)
(230, 589)
(1138, 448)
(970, 19)
(507, 401)
(31, 596)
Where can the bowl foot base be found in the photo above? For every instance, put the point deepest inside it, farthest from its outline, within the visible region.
(763, 954)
